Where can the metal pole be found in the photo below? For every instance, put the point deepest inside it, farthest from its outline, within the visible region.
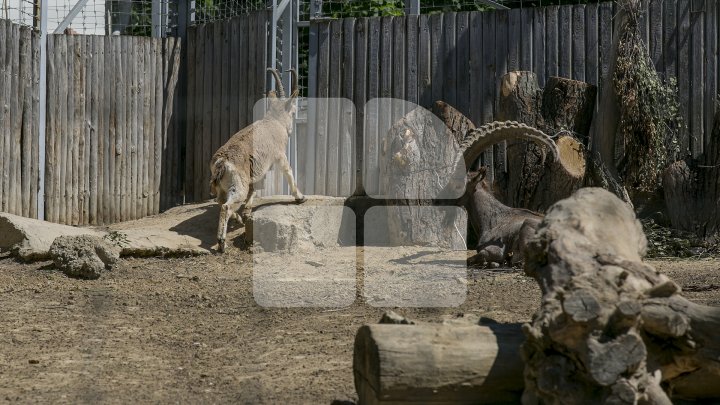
(42, 113)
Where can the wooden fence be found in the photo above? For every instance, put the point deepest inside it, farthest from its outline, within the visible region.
(19, 76)
(460, 58)
(226, 77)
(112, 151)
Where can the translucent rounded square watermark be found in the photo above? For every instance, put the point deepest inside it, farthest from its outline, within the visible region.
(409, 153)
(415, 256)
(303, 255)
(320, 149)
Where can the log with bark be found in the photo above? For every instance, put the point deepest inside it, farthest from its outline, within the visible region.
(563, 108)
(692, 190)
(610, 329)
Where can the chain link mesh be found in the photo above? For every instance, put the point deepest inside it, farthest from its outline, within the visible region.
(97, 17)
(206, 11)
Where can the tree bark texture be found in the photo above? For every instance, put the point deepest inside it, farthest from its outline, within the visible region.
(563, 108)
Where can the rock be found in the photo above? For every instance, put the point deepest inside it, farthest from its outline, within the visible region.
(83, 256)
(279, 224)
(30, 239)
(393, 318)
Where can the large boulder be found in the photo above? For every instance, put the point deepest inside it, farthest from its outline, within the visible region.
(83, 256)
(30, 239)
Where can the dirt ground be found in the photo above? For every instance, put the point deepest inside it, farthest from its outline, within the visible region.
(188, 331)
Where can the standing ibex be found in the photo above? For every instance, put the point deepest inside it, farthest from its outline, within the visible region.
(239, 165)
(502, 231)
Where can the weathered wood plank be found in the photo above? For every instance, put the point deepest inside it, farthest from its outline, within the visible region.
(65, 42)
(192, 116)
(35, 172)
(552, 32)
(592, 53)
(656, 34)
(226, 29)
(52, 129)
(12, 141)
(539, 44)
(359, 99)
(347, 114)
(515, 36)
(502, 26)
(684, 71)
(462, 46)
(25, 136)
(321, 117)
(712, 66)
(372, 118)
(243, 66)
(332, 180)
(436, 59)
(235, 76)
(85, 123)
(489, 68)
(424, 61)
(207, 86)
(137, 129)
(411, 49)
(94, 131)
(101, 132)
(5, 54)
(527, 39)
(110, 69)
(476, 79)
(698, 77)
(449, 59)
(565, 37)
(145, 162)
(125, 126)
(76, 118)
(217, 85)
(579, 30)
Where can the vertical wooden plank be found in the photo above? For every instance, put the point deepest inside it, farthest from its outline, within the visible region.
(67, 134)
(101, 130)
(437, 55)
(25, 136)
(124, 127)
(399, 71)
(359, 98)
(592, 53)
(11, 145)
(552, 42)
(87, 124)
(35, 173)
(655, 19)
(514, 39)
(234, 76)
(578, 42)
(475, 74)
(332, 180)
(385, 114)
(321, 119)
(110, 69)
(712, 66)
(207, 86)
(449, 60)
(192, 116)
(147, 93)
(670, 38)
(154, 68)
(684, 72)
(502, 27)
(411, 49)
(489, 70)
(372, 118)
(565, 37)
(135, 140)
(698, 77)
(424, 61)
(77, 117)
(243, 118)
(527, 39)
(5, 93)
(539, 44)
(52, 152)
(462, 46)
(160, 105)
(95, 130)
(217, 86)
(347, 115)
(226, 65)
(5, 37)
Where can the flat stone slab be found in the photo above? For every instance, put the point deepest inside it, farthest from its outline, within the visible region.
(30, 239)
(281, 224)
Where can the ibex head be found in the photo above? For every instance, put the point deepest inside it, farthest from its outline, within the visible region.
(279, 102)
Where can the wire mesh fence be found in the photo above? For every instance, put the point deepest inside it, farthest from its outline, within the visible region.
(373, 8)
(206, 11)
(97, 17)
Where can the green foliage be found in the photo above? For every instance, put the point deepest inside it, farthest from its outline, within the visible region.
(649, 113)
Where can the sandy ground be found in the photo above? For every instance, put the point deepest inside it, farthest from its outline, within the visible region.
(189, 331)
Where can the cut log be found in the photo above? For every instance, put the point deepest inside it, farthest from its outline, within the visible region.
(438, 364)
(692, 190)
(564, 107)
(418, 159)
(611, 329)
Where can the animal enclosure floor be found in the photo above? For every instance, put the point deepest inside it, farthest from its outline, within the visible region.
(188, 331)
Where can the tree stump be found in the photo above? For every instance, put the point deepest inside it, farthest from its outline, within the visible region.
(420, 155)
(564, 107)
(692, 190)
(611, 329)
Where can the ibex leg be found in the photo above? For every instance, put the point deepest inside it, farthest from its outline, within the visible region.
(287, 171)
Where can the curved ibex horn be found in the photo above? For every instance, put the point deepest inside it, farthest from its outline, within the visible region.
(278, 81)
(294, 83)
(477, 140)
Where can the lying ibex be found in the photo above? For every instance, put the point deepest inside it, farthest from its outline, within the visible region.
(242, 163)
(502, 231)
